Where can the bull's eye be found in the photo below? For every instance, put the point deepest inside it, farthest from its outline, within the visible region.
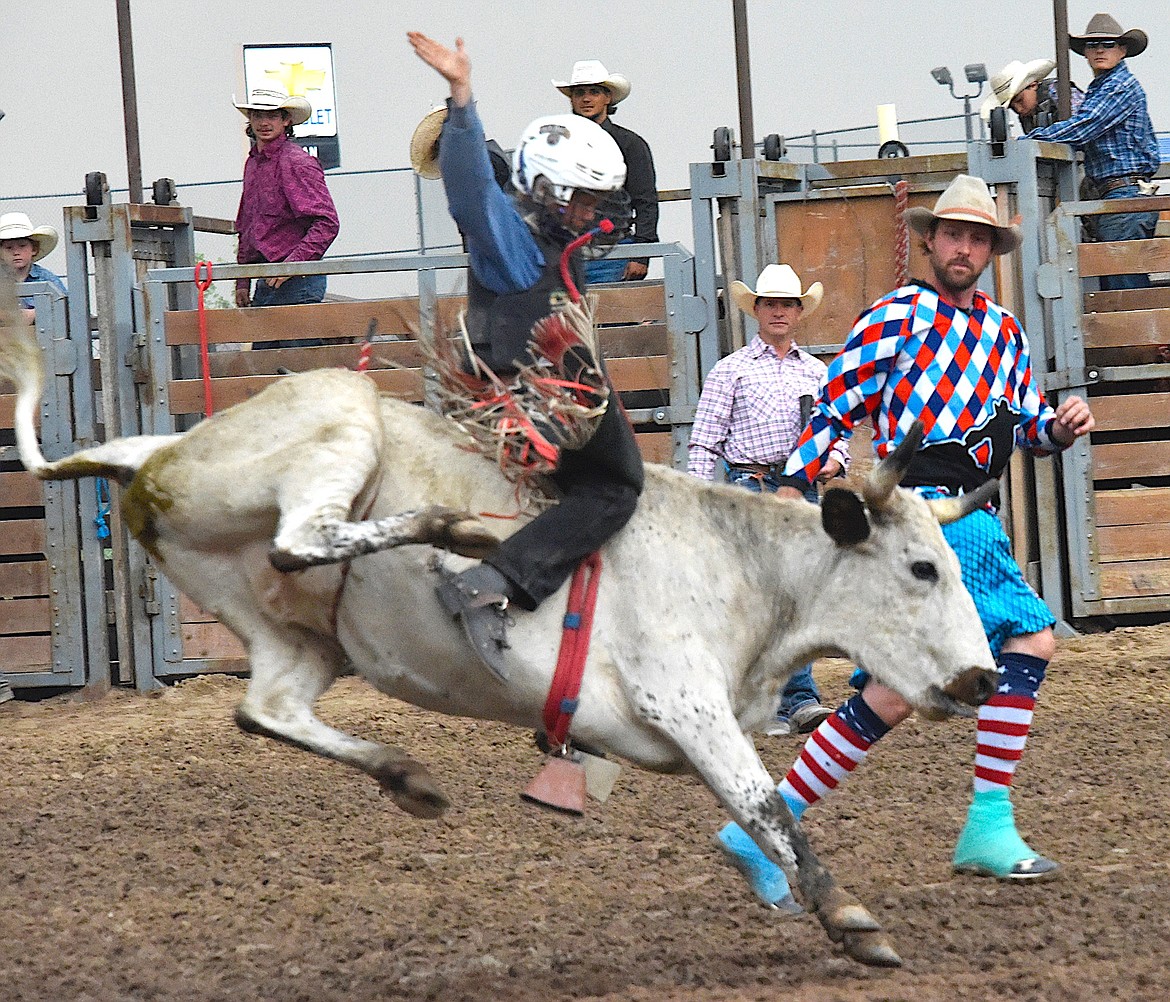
(924, 570)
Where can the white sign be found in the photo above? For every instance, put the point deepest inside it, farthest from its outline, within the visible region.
(302, 70)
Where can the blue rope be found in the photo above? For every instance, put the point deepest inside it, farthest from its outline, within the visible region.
(103, 508)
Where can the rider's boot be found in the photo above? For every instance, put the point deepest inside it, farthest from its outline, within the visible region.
(478, 597)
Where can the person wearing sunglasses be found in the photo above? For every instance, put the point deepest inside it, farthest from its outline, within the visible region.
(1114, 131)
(595, 93)
(1029, 91)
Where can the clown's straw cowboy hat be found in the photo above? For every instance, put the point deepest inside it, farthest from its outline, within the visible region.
(587, 72)
(273, 99)
(777, 281)
(17, 226)
(1013, 79)
(424, 144)
(1102, 28)
(967, 200)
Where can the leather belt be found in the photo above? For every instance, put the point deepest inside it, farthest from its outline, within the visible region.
(763, 469)
(1106, 185)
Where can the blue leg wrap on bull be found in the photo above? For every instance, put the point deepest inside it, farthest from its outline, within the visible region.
(765, 878)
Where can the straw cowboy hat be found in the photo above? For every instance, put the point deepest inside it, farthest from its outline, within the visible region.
(17, 226)
(777, 281)
(1012, 79)
(272, 98)
(1104, 27)
(424, 144)
(967, 199)
(591, 71)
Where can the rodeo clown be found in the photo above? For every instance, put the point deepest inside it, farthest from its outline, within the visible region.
(946, 354)
(568, 175)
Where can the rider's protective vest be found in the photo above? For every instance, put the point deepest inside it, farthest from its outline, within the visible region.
(500, 325)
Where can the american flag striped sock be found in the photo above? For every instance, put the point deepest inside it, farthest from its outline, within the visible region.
(829, 755)
(1004, 721)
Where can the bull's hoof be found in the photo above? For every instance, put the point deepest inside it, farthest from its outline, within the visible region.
(872, 949)
(411, 787)
(842, 913)
(461, 533)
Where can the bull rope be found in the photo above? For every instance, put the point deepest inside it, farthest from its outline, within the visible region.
(578, 627)
(204, 352)
(901, 233)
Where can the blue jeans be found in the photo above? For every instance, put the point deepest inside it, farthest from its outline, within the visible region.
(1126, 226)
(801, 690)
(297, 291)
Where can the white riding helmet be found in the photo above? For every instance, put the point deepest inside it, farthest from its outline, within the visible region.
(570, 152)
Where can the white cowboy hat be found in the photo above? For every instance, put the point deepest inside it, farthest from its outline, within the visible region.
(591, 71)
(967, 199)
(272, 98)
(424, 144)
(1012, 79)
(1103, 27)
(17, 226)
(777, 281)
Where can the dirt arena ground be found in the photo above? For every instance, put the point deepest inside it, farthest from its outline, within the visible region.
(153, 851)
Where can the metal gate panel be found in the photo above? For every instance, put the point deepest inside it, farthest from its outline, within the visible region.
(1116, 482)
(54, 600)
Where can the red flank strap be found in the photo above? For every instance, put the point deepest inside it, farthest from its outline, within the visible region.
(566, 684)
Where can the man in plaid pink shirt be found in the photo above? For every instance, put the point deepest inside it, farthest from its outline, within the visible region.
(750, 416)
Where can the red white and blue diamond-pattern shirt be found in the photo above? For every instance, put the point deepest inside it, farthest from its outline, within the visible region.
(967, 375)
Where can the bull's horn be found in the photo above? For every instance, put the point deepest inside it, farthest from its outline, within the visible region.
(948, 510)
(889, 472)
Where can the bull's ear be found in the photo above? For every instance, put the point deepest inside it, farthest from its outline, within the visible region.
(843, 516)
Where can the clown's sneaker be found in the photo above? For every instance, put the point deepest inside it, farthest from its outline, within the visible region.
(765, 878)
(990, 846)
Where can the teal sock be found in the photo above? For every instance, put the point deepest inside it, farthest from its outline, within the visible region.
(989, 842)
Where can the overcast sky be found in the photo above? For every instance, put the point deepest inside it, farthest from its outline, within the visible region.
(815, 65)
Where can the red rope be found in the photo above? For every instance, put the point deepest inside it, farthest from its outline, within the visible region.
(566, 683)
(605, 226)
(204, 352)
(901, 234)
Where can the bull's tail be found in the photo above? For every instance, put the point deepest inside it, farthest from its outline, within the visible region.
(21, 363)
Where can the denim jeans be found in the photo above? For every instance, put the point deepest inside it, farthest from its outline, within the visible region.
(297, 291)
(801, 690)
(1126, 226)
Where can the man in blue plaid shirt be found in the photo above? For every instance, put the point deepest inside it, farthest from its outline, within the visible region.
(1114, 131)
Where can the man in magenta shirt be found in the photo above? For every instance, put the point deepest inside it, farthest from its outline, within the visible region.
(286, 212)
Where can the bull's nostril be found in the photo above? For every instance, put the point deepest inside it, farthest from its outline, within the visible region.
(985, 688)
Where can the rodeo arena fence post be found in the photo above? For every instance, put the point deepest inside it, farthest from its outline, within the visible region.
(82, 605)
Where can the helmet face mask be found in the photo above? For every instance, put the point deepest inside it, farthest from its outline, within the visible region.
(569, 173)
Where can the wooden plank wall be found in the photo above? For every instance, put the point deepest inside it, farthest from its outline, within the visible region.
(633, 334)
(25, 610)
(1131, 447)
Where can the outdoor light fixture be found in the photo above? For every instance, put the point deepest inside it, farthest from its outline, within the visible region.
(976, 73)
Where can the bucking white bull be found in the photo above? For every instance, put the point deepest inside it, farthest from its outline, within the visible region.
(709, 599)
